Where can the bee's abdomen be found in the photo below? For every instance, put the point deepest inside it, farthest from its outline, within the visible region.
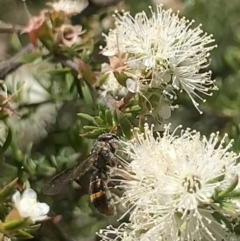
(99, 196)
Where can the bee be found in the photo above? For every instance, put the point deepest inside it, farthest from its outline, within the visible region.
(101, 159)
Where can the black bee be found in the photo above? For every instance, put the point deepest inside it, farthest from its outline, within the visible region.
(100, 161)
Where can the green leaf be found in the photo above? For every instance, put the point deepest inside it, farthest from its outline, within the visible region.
(103, 79)
(53, 161)
(90, 128)
(102, 115)
(34, 227)
(94, 134)
(86, 117)
(234, 194)
(17, 224)
(222, 219)
(99, 120)
(15, 42)
(115, 116)
(135, 108)
(83, 204)
(59, 71)
(87, 95)
(7, 190)
(30, 58)
(7, 142)
(23, 235)
(108, 117)
(229, 207)
(86, 72)
(126, 127)
(230, 188)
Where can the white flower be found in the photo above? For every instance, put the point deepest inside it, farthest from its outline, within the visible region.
(165, 49)
(28, 206)
(170, 193)
(69, 7)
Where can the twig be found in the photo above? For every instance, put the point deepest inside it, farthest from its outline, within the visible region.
(66, 62)
(13, 63)
(11, 29)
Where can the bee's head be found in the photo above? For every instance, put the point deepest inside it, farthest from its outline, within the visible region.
(111, 139)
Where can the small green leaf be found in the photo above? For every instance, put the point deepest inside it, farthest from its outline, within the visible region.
(103, 79)
(53, 161)
(7, 142)
(86, 117)
(230, 188)
(135, 108)
(94, 134)
(30, 58)
(23, 235)
(222, 219)
(126, 127)
(83, 204)
(87, 95)
(86, 72)
(217, 179)
(99, 120)
(229, 207)
(108, 117)
(7, 190)
(17, 224)
(234, 194)
(16, 42)
(102, 115)
(59, 71)
(34, 227)
(90, 128)
(115, 116)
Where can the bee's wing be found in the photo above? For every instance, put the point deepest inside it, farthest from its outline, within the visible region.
(60, 180)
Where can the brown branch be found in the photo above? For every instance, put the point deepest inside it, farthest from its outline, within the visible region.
(11, 29)
(13, 63)
(66, 62)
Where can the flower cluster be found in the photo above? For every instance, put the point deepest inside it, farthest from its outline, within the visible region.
(51, 27)
(160, 53)
(178, 188)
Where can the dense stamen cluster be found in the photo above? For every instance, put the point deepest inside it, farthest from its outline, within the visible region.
(162, 50)
(173, 192)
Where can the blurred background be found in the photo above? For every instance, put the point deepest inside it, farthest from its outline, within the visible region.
(46, 129)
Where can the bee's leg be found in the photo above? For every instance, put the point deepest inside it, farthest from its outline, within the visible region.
(122, 173)
(115, 198)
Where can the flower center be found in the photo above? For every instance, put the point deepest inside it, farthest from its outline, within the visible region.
(191, 184)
